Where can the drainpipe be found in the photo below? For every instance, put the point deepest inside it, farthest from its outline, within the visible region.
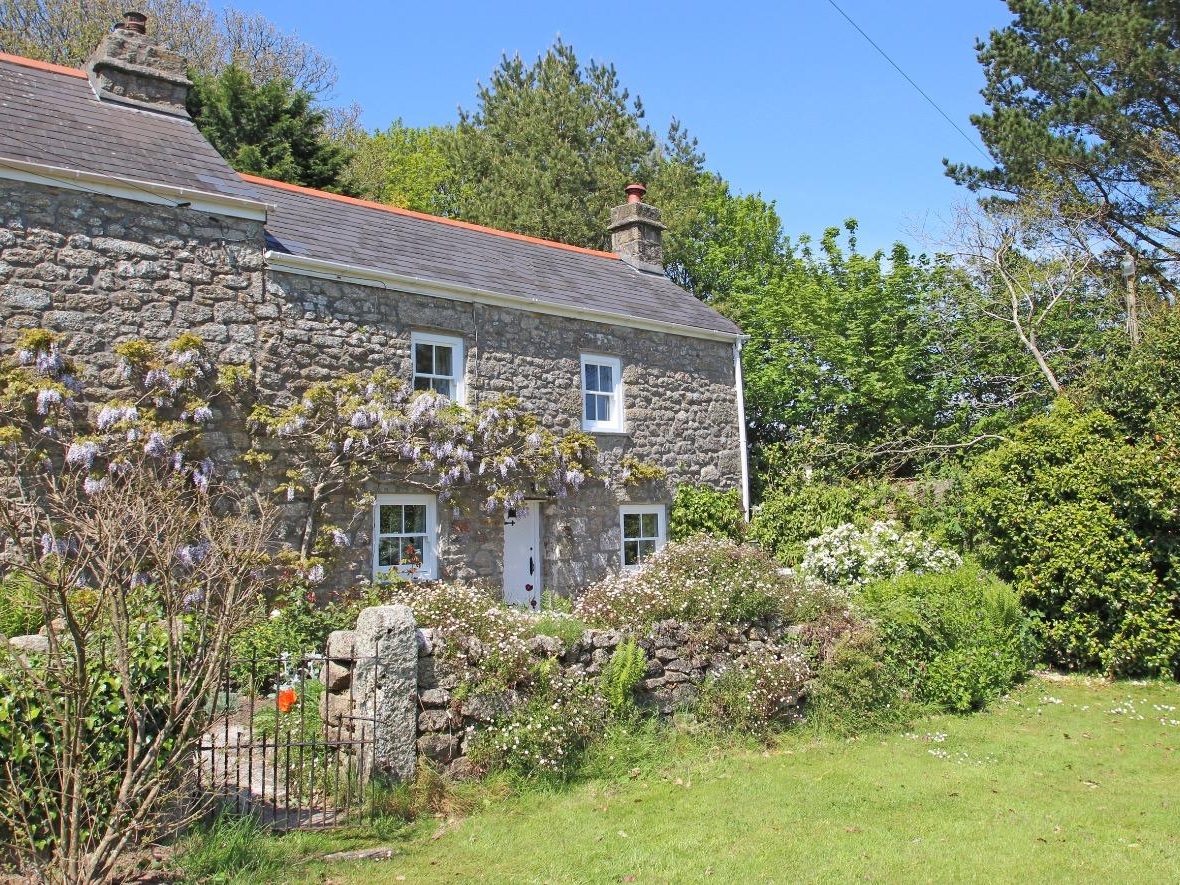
(739, 387)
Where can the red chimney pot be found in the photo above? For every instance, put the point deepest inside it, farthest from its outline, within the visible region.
(635, 192)
(134, 21)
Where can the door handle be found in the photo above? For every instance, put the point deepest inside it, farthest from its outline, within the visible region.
(532, 566)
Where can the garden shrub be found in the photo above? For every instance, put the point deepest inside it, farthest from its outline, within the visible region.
(788, 517)
(20, 607)
(545, 735)
(757, 692)
(846, 557)
(621, 673)
(702, 510)
(294, 624)
(955, 640)
(705, 581)
(856, 689)
(1085, 521)
(31, 737)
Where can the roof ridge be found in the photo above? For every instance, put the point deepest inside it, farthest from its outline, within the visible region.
(424, 216)
(39, 65)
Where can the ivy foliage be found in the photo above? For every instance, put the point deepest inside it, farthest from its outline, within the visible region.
(1084, 521)
(703, 510)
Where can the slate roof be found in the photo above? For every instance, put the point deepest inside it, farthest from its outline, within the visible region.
(50, 115)
(312, 224)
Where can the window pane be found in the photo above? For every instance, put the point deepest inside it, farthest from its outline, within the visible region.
(421, 383)
(391, 519)
(443, 360)
(631, 552)
(443, 386)
(651, 525)
(646, 549)
(630, 525)
(424, 359)
(387, 552)
(411, 550)
(604, 378)
(603, 407)
(591, 376)
(591, 410)
(415, 518)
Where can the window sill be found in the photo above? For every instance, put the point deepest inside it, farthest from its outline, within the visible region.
(601, 432)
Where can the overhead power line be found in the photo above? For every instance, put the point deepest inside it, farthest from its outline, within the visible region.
(967, 138)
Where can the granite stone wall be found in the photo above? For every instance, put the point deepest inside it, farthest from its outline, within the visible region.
(103, 270)
(679, 661)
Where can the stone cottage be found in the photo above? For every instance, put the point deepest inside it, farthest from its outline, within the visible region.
(119, 220)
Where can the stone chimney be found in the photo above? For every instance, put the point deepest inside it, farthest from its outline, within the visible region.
(132, 68)
(636, 233)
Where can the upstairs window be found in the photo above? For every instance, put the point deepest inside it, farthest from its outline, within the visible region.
(438, 364)
(644, 532)
(602, 393)
(405, 529)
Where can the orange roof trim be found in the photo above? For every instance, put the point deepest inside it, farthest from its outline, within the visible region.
(409, 213)
(42, 65)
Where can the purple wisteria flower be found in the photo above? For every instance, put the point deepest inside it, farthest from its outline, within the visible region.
(191, 555)
(340, 539)
(47, 397)
(156, 446)
(92, 485)
(82, 453)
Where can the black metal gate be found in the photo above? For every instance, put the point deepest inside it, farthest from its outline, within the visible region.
(292, 741)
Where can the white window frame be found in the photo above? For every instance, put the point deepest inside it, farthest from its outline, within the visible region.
(428, 570)
(616, 424)
(458, 366)
(660, 538)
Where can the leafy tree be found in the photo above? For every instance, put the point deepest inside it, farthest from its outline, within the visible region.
(403, 166)
(267, 128)
(1084, 523)
(1083, 120)
(719, 244)
(549, 148)
(840, 346)
(66, 32)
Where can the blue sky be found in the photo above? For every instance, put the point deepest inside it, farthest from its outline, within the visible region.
(786, 98)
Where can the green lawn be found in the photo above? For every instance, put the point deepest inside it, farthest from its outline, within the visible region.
(1066, 781)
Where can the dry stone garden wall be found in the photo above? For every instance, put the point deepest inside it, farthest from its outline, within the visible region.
(679, 661)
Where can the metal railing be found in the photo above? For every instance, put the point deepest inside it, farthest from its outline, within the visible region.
(283, 745)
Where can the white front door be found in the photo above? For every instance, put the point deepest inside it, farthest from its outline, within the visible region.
(522, 555)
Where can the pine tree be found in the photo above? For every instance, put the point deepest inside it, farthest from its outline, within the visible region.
(1084, 120)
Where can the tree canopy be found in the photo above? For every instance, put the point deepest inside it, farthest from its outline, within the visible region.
(266, 128)
(66, 32)
(1084, 120)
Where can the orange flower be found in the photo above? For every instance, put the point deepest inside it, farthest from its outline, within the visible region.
(286, 699)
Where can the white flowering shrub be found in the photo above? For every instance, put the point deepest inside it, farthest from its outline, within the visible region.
(847, 557)
(546, 735)
(758, 691)
(705, 581)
